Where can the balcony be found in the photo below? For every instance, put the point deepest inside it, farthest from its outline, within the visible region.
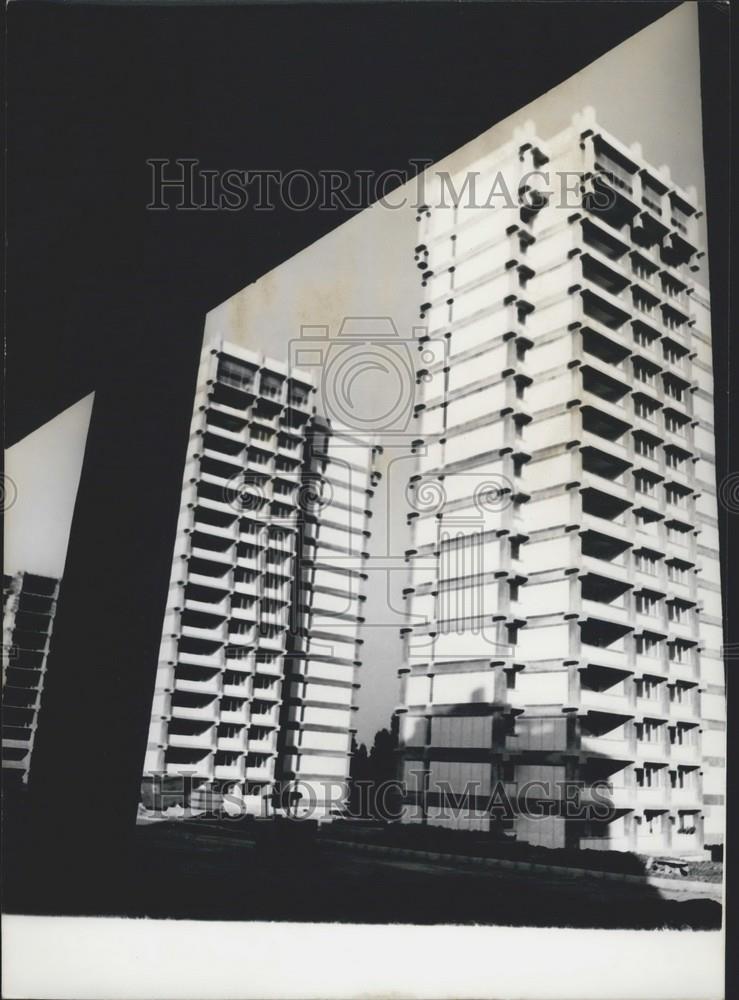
(275, 643)
(603, 656)
(233, 772)
(265, 715)
(591, 480)
(686, 797)
(651, 708)
(195, 769)
(608, 194)
(195, 713)
(236, 690)
(233, 390)
(653, 798)
(603, 524)
(617, 796)
(212, 686)
(196, 741)
(617, 748)
(687, 710)
(215, 659)
(612, 568)
(217, 634)
(248, 614)
(262, 746)
(268, 697)
(602, 701)
(270, 667)
(645, 664)
(652, 750)
(237, 717)
(685, 753)
(235, 744)
(260, 774)
(600, 611)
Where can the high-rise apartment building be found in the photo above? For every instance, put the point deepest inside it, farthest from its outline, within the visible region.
(29, 604)
(256, 674)
(565, 620)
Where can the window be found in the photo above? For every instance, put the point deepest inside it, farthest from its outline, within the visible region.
(677, 532)
(673, 458)
(677, 612)
(646, 562)
(648, 731)
(680, 693)
(678, 652)
(677, 572)
(646, 603)
(674, 389)
(647, 645)
(644, 408)
(644, 445)
(645, 484)
(271, 387)
(675, 424)
(647, 688)
(643, 337)
(681, 735)
(643, 373)
(675, 496)
(648, 776)
(235, 374)
(672, 352)
(642, 303)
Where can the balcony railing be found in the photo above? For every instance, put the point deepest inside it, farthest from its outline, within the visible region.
(605, 746)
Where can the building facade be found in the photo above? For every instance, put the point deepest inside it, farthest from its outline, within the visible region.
(29, 605)
(245, 705)
(565, 620)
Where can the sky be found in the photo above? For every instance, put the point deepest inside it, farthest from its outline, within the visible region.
(646, 90)
(42, 476)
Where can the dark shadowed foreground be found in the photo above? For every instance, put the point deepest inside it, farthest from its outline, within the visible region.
(242, 871)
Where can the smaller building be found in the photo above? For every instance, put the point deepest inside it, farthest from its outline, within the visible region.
(29, 605)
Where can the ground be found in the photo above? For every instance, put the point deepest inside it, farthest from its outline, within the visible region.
(233, 872)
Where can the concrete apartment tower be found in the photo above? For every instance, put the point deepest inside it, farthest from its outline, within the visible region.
(565, 620)
(29, 605)
(256, 677)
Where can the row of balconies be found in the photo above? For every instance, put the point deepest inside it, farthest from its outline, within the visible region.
(257, 711)
(609, 196)
(268, 436)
